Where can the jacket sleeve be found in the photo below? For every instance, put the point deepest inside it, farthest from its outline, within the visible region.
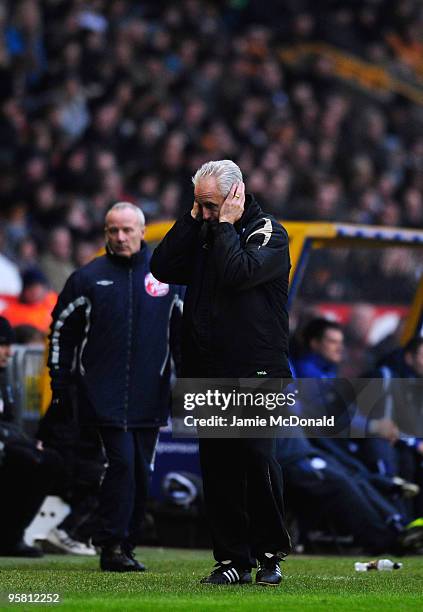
(304, 368)
(173, 259)
(264, 256)
(70, 320)
(175, 329)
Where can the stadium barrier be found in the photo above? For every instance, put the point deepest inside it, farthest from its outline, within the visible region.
(25, 369)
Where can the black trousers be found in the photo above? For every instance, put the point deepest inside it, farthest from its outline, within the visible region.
(123, 493)
(87, 473)
(27, 475)
(243, 493)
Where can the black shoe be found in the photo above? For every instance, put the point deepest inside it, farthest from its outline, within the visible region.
(131, 555)
(227, 573)
(112, 559)
(268, 571)
(20, 549)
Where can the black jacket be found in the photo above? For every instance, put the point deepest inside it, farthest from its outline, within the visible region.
(110, 337)
(235, 320)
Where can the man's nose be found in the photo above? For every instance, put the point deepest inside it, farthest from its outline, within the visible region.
(121, 236)
(206, 214)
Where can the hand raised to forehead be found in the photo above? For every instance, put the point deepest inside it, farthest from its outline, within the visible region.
(196, 211)
(233, 206)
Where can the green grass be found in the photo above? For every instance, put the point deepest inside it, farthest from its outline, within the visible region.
(171, 584)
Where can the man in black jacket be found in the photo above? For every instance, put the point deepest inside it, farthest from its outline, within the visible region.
(109, 339)
(235, 262)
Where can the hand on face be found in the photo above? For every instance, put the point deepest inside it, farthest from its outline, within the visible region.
(233, 206)
(196, 212)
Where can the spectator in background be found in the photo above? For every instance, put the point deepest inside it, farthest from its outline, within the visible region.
(10, 281)
(400, 455)
(28, 335)
(23, 461)
(73, 111)
(325, 492)
(85, 251)
(56, 262)
(84, 467)
(27, 255)
(323, 352)
(35, 303)
(24, 39)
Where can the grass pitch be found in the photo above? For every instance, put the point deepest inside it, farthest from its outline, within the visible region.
(172, 584)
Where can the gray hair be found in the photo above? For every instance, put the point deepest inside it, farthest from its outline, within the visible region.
(135, 209)
(225, 171)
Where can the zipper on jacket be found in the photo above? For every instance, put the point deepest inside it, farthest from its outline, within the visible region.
(128, 348)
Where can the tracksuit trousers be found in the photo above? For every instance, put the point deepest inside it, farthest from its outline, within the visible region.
(243, 492)
(124, 491)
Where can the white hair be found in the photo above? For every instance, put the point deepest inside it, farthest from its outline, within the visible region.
(135, 209)
(225, 171)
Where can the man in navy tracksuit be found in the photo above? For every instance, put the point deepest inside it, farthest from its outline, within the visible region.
(109, 343)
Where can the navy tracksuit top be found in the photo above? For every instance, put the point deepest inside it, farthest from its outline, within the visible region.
(110, 337)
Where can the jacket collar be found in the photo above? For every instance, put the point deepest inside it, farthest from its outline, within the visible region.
(251, 210)
(127, 261)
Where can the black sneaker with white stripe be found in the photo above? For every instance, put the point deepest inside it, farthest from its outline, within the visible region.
(268, 570)
(227, 573)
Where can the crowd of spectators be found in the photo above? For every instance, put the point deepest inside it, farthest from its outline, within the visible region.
(110, 100)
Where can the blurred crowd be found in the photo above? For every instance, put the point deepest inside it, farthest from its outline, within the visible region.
(109, 100)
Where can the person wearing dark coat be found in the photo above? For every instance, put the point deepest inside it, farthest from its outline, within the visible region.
(27, 470)
(109, 352)
(234, 259)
